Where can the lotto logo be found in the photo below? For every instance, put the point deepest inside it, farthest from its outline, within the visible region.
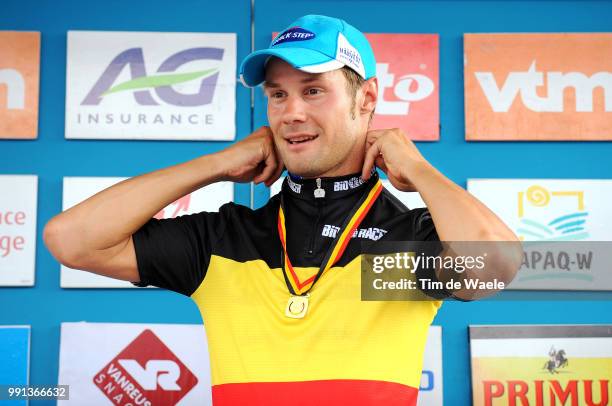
(407, 72)
(145, 373)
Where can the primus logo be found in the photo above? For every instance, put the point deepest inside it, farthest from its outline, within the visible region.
(162, 82)
(529, 83)
(546, 392)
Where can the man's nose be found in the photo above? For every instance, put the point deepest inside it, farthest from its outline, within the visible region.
(294, 110)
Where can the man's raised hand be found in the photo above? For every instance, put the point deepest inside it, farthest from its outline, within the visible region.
(252, 159)
(394, 154)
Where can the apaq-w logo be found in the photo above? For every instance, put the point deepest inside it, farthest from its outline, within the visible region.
(141, 84)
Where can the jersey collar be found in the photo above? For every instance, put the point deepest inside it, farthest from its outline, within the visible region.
(333, 187)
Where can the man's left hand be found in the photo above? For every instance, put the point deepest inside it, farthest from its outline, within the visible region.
(394, 154)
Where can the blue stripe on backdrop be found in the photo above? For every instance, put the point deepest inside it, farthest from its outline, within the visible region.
(460, 160)
(51, 157)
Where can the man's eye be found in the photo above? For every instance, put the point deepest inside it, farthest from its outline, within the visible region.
(313, 91)
(276, 95)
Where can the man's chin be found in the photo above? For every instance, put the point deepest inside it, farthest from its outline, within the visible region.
(303, 172)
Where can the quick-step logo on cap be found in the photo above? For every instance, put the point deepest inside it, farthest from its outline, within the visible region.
(293, 34)
(145, 373)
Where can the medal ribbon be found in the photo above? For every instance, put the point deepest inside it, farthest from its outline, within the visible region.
(352, 221)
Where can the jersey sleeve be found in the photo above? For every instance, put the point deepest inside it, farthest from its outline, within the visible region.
(425, 230)
(423, 226)
(174, 253)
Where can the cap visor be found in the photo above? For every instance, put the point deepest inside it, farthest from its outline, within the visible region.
(252, 70)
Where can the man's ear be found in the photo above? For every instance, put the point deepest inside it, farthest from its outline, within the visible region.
(370, 96)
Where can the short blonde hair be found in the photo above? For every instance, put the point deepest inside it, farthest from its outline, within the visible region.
(354, 82)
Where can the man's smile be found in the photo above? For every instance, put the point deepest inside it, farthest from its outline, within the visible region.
(295, 139)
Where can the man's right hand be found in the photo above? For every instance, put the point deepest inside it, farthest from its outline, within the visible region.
(252, 159)
(96, 234)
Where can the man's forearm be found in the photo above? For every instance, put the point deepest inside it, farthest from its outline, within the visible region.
(114, 214)
(457, 215)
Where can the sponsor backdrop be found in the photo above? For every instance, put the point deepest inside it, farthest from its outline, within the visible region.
(411, 85)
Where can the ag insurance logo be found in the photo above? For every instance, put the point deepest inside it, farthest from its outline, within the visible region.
(145, 373)
(137, 85)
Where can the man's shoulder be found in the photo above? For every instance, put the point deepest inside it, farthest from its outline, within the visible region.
(244, 218)
(395, 207)
(401, 222)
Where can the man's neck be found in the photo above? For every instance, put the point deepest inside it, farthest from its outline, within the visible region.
(342, 169)
(334, 186)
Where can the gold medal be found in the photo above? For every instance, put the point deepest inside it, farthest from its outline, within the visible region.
(297, 306)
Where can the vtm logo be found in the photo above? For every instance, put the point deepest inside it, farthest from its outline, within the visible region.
(161, 83)
(530, 84)
(408, 88)
(145, 373)
(15, 88)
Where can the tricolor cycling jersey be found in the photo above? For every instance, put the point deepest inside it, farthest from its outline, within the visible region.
(345, 351)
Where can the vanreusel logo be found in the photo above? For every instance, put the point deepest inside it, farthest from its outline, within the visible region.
(138, 85)
(145, 373)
